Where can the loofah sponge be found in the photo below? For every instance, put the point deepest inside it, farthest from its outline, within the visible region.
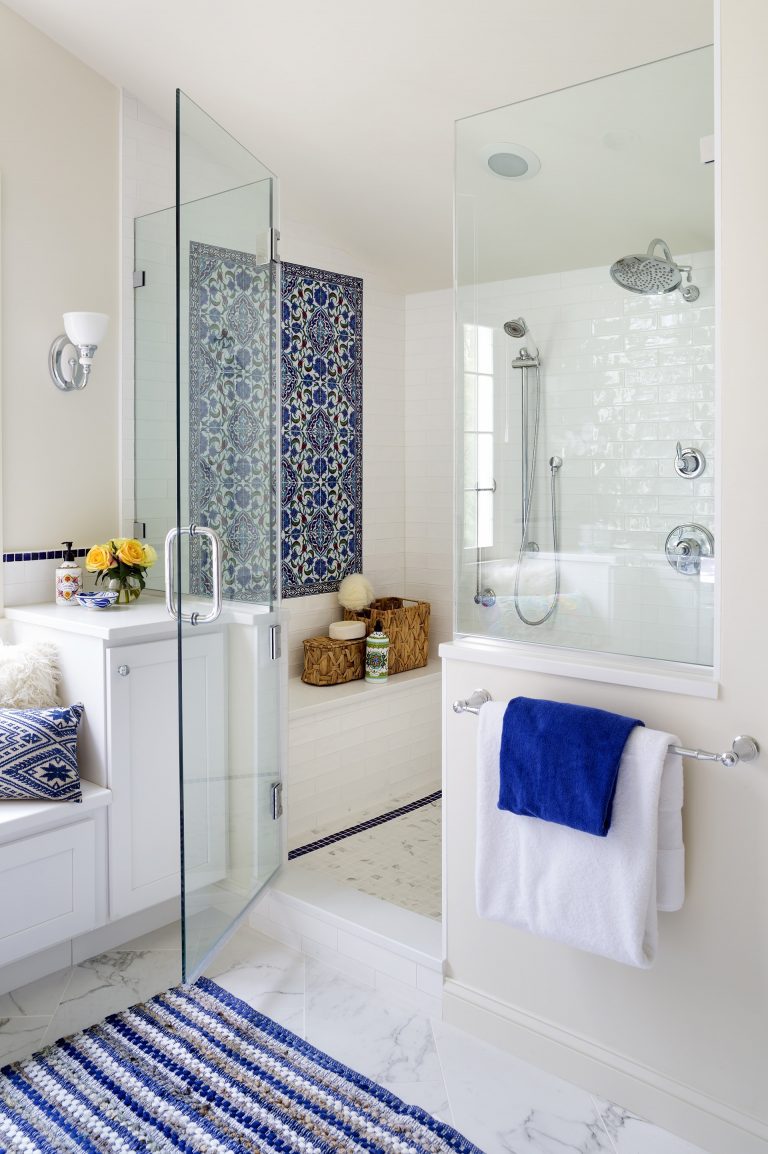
(355, 592)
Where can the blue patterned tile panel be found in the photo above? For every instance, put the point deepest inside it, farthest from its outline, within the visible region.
(321, 429)
(231, 417)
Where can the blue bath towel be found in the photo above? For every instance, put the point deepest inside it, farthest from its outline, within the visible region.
(560, 762)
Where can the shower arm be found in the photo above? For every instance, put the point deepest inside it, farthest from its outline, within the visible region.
(686, 268)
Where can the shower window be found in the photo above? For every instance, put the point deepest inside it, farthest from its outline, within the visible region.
(478, 436)
(586, 367)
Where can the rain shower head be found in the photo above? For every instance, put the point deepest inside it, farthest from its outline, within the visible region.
(647, 274)
(517, 328)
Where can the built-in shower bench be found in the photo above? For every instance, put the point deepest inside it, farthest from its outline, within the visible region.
(357, 747)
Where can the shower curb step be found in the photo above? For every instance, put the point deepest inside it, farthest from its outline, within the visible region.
(378, 944)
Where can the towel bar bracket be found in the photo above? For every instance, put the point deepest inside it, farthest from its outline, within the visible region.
(473, 703)
(743, 747)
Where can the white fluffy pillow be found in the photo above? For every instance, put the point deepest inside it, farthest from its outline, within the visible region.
(29, 676)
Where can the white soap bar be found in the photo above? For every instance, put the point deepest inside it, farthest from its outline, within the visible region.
(346, 630)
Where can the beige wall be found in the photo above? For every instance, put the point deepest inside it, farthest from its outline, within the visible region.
(59, 169)
(686, 1042)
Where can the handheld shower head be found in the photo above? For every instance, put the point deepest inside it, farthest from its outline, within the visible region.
(516, 328)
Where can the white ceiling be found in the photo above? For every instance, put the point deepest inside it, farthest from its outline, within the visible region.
(353, 105)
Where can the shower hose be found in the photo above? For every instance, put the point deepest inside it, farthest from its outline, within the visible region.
(527, 515)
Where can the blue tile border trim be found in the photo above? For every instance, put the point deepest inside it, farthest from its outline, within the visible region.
(332, 838)
(41, 555)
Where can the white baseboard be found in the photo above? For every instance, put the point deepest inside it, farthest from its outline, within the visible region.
(681, 1109)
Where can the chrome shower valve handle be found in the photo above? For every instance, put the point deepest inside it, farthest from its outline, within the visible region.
(685, 547)
(689, 463)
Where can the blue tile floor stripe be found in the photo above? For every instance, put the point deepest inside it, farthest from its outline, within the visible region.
(332, 838)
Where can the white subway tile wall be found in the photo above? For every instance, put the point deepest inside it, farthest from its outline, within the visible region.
(429, 457)
(624, 378)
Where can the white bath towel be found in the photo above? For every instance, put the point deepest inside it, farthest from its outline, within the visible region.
(594, 893)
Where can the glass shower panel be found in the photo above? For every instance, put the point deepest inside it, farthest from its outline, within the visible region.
(155, 382)
(578, 373)
(225, 555)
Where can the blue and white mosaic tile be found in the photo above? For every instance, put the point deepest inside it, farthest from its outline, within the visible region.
(231, 417)
(322, 410)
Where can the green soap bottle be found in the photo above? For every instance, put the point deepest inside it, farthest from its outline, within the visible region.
(377, 655)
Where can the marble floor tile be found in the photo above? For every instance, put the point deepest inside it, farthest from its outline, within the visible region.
(430, 1096)
(399, 861)
(390, 1043)
(38, 998)
(111, 982)
(632, 1135)
(20, 1037)
(506, 1106)
(266, 975)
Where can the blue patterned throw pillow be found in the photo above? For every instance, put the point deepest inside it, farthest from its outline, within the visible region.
(38, 754)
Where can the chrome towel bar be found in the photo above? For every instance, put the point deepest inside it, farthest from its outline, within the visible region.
(743, 747)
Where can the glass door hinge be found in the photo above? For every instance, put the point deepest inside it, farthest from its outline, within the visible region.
(274, 244)
(277, 800)
(275, 642)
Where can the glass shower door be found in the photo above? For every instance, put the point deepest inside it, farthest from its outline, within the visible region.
(221, 554)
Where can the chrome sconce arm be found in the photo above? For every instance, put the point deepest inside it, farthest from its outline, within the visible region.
(84, 332)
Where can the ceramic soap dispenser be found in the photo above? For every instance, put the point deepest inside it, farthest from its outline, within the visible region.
(69, 577)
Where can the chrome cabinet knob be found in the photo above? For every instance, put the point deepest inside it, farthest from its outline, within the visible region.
(123, 670)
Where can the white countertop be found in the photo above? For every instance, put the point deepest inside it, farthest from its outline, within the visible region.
(147, 617)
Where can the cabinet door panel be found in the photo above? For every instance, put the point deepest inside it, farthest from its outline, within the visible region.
(58, 868)
(142, 694)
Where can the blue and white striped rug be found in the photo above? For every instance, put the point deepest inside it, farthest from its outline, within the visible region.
(195, 1069)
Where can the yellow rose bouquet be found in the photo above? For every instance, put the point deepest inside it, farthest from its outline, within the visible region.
(122, 562)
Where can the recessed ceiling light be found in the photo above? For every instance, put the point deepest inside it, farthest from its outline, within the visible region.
(511, 161)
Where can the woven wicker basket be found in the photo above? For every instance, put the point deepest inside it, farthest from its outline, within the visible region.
(329, 662)
(406, 623)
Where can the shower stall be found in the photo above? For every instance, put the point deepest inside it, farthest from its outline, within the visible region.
(585, 424)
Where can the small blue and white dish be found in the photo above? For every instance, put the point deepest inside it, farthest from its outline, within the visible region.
(101, 599)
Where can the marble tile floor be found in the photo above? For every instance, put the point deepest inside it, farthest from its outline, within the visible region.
(399, 861)
(71, 999)
(504, 1105)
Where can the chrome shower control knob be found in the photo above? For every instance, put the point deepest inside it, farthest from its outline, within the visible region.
(689, 463)
(685, 547)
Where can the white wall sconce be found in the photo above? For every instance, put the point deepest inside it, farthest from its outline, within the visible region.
(84, 332)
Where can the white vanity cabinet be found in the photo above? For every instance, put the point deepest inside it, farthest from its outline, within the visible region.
(143, 744)
(122, 664)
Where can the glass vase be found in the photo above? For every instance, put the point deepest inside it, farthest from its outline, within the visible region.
(128, 590)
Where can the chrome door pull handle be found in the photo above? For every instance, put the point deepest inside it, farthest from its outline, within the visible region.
(170, 601)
